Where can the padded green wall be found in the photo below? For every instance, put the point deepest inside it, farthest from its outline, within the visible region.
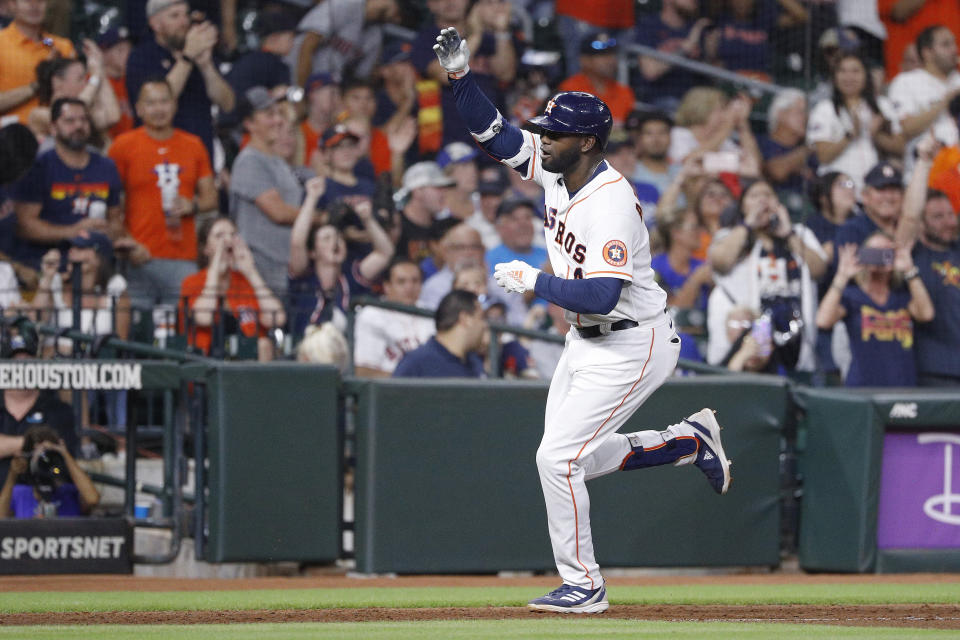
(447, 482)
(274, 456)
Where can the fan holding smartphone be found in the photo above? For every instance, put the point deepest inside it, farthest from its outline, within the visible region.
(878, 294)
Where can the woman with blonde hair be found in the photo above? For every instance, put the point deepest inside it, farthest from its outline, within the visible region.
(705, 120)
(324, 344)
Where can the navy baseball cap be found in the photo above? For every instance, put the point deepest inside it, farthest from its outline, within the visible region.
(883, 175)
(397, 51)
(94, 240)
(335, 135)
(112, 36)
(318, 80)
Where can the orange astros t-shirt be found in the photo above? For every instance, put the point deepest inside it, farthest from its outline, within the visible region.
(240, 301)
(145, 164)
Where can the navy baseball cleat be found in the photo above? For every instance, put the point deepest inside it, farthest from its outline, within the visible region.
(571, 599)
(711, 458)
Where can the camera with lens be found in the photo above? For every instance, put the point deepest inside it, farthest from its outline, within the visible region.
(341, 215)
(46, 472)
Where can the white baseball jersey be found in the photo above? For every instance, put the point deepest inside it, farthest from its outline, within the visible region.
(382, 337)
(596, 233)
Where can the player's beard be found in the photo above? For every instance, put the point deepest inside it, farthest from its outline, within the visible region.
(560, 162)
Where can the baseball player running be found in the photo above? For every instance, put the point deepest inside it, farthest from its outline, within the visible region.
(622, 345)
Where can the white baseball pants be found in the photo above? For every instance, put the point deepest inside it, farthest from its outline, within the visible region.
(597, 386)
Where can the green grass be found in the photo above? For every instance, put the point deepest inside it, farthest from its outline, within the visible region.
(551, 628)
(16, 602)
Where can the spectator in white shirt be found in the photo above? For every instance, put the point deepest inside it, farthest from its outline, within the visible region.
(921, 97)
(383, 336)
(9, 288)
(848, 129)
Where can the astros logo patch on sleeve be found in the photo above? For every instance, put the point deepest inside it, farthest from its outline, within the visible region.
(615, 253)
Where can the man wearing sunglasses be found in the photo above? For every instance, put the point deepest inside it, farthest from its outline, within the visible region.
(598, 75)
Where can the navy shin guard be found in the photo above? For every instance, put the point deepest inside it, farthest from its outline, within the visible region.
(666, 453)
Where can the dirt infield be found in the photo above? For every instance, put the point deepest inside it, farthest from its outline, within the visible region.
(916, 616)
(930, 616)
(339, 581)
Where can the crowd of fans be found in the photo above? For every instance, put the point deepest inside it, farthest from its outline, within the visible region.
(255, 184)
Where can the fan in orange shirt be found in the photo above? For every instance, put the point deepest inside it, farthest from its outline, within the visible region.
(23, 45)
(598, 72)
(905, 21)
(228, 292)
(945, 174)
(167, 179)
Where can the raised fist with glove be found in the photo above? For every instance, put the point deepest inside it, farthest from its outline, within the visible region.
(453, 52)
(516, 276)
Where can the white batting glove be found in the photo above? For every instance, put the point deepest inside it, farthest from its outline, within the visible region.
(516, 276)
(453, 52)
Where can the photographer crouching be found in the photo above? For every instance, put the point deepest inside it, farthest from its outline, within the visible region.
(21, 409)
(45, 481)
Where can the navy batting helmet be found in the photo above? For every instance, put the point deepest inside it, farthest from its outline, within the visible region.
(577, 112)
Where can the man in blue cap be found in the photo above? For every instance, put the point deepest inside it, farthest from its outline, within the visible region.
(459, 161)
(116, 47)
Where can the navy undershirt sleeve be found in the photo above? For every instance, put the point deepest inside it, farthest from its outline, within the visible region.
(594, 296)
(479, 113)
